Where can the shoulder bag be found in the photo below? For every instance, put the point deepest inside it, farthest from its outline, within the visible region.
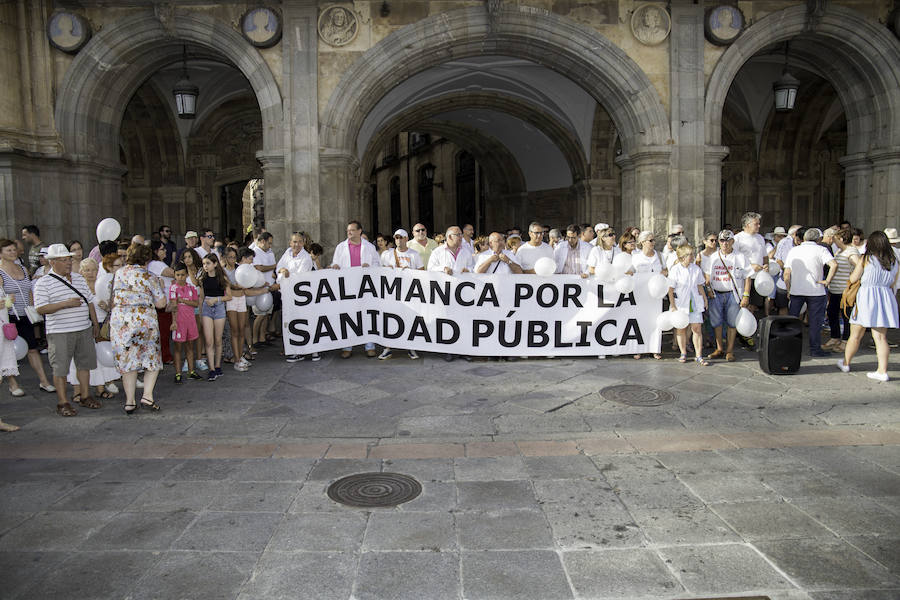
(30, 311)
(848, 297)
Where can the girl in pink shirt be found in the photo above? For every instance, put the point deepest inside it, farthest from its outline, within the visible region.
(183, 298)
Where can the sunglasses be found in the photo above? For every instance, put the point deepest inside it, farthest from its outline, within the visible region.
(210, 236)
(723, 241)
(418, 230)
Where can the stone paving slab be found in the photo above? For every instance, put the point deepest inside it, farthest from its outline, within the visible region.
(747, 484)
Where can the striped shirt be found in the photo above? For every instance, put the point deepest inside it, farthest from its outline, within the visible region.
(20, 288)
(844, 268)
(50, 290)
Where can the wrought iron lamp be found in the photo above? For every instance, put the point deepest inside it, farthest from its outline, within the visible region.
(786, 87)
(185, 93)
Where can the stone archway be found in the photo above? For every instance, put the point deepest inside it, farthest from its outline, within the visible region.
(580, 54)
(861, 59)
(106, 73)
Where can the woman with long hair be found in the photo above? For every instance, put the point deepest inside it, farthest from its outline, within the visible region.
(876, 303)
(17, 284)
(191, 260)
(215, 291)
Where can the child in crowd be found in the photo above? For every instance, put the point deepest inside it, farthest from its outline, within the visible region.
(315, 253)
(215, 291)
(183, 298)
(686, 294)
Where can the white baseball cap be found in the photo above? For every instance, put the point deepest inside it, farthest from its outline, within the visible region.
(401, 233)
(601, 226)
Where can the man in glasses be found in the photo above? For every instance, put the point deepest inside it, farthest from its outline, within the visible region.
(400, 257)
(207, 240)
(355, 252)
(729, 277)
(468, 241)
(165, 236)
(421, 243)
(536, 248)
(452, 258)
(572, 255)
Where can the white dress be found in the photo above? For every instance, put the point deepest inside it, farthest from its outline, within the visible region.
(684, 281)
(9, 367)
(876, 304)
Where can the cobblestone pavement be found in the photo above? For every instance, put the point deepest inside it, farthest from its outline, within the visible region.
(534, 485)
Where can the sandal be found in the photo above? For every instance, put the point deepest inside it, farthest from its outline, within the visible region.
(66, 410)
(150, 404)
(717, 354)
(89, 402)
(682, 358)
(76, 398)
(729, 357)
(130, 407)
(657, 356)
(106, 395)
(702, 361)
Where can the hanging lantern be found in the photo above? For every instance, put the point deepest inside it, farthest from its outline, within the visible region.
(185, 93)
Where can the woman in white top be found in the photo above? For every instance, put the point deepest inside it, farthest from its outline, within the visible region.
(686, 294)
(647, 259)
(703, 259)
(846, 259)
(605, 250)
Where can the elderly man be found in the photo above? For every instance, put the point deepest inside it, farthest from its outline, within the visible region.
(555, 237)
(191, 240)
(452, 258)
(528, 254)
(356, 252)
(782, 247)
(727, 273)
(752, 245)
(803, 270)
(468, 231)
(66, 302)
(497, 259)
(421, 243)
(572, 256)
(290, 266)
(401, 257)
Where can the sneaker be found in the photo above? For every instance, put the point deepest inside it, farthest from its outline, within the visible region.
(844, 368)
(385, 354)
(201, 365)
(211, 376)
(820, 353)
(413, 355)
(292, 358)
(193, 375)
(239, 366)
(219, 371)
(49, 388)
(878, 376)
(316, 357)
(178, 378)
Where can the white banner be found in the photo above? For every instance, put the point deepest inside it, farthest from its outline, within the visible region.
(478, 315)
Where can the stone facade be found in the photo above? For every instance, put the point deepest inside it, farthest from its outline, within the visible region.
(657, 126)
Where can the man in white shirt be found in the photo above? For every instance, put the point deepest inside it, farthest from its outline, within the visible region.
(355, 252)
(468, 234)
(529, 253)
(803, 270)
(452, 258)
(497, 260)
(66, 302)
(782, 248)
(207, 241)
(421, 243)
(400, 257)
(588, 235)
(290, 266)
(191, 240)
(752, 245)
(728, 275)
(572, 255)
(264, 262)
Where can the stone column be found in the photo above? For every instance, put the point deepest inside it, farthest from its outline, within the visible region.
(885, 210)
(687, 203)
(580, 193)
(298, 207)
(857, 189)
(645, 188)
(275, 184)
(338, 186)
(710, 219)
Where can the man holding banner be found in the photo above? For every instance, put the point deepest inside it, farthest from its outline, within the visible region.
(497, 260)
(401, 257)
(355, 252)
(451, 258)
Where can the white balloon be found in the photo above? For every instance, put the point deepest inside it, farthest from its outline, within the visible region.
(764, 283)
(657, 286)
(264, 302)
(251, 300)
(625, 284)
(545, 266)
(245, 275)
(774, 268)
(622, 262)
(680, 319)
(664, 321)
(604, 272)
(21, 347)
(260, 279)
(106, 357)
(746, 323)
(108, 229)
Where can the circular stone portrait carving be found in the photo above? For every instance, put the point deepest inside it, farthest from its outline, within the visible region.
(724, 24)
(261, 26)
(338, 25)
(68, 32)
(650, 24)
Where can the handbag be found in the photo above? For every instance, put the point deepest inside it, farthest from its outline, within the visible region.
(848, 296)
(30, 312)
(9, 331)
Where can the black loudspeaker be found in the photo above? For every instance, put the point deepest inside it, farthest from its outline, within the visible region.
(780, 344)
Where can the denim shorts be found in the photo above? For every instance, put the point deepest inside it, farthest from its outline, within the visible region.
(213, 312)
(723, 308)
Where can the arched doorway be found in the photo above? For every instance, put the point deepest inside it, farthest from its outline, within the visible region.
(860, 60)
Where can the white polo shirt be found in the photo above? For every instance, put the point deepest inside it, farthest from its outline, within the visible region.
(752, 246)
(527, 254)
(265, 258)
(807, 262)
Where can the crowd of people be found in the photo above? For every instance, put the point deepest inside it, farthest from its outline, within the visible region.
(158, 304)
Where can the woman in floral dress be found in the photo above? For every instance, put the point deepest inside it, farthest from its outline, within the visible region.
(133, 326)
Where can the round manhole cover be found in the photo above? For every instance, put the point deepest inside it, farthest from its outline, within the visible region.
(377, 490)
(637, 395)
